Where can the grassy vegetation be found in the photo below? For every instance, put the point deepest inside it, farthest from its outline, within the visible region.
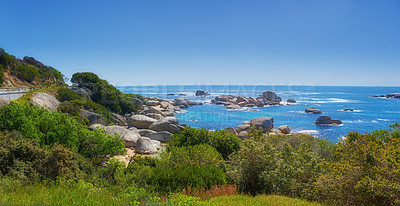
(258, 200)
(24, 100)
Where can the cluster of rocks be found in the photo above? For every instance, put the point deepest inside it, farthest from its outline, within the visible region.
(394, 95)
(264, 123)
(153, 124)
(238, 102)
(327, 120)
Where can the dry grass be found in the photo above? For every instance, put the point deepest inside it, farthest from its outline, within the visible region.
(215, 191)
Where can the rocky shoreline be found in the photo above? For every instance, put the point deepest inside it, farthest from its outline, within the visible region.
(152, 125)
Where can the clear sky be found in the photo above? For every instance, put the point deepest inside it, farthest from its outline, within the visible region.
(150, 42)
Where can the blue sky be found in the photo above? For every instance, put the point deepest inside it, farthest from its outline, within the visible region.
(150, 42)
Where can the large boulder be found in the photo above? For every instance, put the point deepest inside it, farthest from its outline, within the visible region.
(153, 110)
(243, 135)
(180, 103)
(201, 93)
(271, 96)
(140, 121)
(243, 127)
(154, 116)
(284, 129)
(327, 120)
(231, 130)
(313, 110)
(233, 107)
(265, 123)
(96, 126)
(93, 118)
(166, 105)
(83, 91)
(4, 102)
(291, 101)
(152, 103)
(394, 95)
(144, 145)
(167, 124)
(145, 132)
(129, 136)
(119, 119)
(163, 136)
(44, 100)
(138, 103)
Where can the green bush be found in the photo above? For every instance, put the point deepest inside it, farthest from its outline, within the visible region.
(26, 73)
(365, 171)
(65, 94)
(283, 165)
(223, 141)
(72, 108)
(51, 128)
(5, 58)
(105, 93)
(25, 160)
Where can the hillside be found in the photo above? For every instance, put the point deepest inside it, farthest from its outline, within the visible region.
(26, 72)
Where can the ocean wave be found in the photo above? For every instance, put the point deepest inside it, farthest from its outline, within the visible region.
(299, 112)
(359, 121)
(385, 120)
(306, 131)
(328, 100)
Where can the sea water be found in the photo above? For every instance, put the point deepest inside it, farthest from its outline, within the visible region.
(368, 113)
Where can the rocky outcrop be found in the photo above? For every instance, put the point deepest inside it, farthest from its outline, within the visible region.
(34, 62)
(181, 103)
(313, 110)
(243, 127)
(83, 91)
(166, 124)
(390, 96)
(140, 121)
(93, 118)
(130, 137)
(152, 103)
(327, 120)
(96, 126)
(44, 100)
(237, 102)
(4, 102)
(284, 129)
(291, 101)
(265, 123)
(163, 136)
(243, 135)
(145, 132)
(144, 145)
(154, 116)
(348, 110)
(201, 93)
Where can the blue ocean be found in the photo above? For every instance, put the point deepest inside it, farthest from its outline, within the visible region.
(368, 113)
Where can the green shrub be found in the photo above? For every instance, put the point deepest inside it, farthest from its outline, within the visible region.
(72, 108)
(65, 94)
(283, 165)
(1, 73)
(26, 73)
(25, 160)
(5, 58)
(50, 128)
(105, 93)
(365, 171)
(223, 141)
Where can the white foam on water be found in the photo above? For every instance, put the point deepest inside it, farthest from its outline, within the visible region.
(385, 120)
(359, 121)
(300, 112)
(181, 111)
(306, 131)
(355, 110)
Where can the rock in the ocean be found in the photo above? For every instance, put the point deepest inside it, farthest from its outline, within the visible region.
(265, 123)
(144, 145)
(167, 124)
(327, 120)
(140, 121)
(395, 95)
(93, 118)
(291, 101)
(348, 110)
(233, 107)
(44, 100)
(180, 103)
(313, 110)
(284, 129)
(163, 136)
(271, 96)
(201, 93)
(130, 137)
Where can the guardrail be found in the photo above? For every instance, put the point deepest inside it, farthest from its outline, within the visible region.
(12, 93)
